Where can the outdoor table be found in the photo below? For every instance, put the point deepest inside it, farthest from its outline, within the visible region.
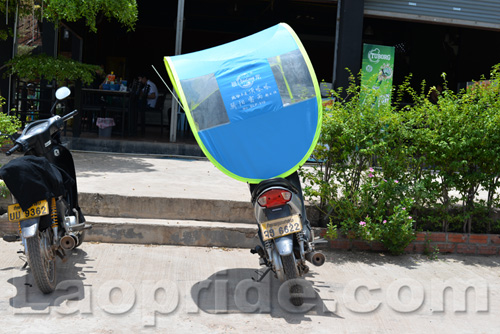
(98, 103)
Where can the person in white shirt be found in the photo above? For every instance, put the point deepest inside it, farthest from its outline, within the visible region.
(150, 89)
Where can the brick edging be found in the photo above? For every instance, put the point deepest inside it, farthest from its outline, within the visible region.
(458, 243)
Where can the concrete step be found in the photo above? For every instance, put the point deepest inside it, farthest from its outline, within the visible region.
(174, 232)
(171, 232)
(108, 205)
(130, 146)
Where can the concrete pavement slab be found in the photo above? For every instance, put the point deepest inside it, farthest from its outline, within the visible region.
(155, 176)
(118, 288)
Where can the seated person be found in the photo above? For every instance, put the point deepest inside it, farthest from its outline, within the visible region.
(148, 91)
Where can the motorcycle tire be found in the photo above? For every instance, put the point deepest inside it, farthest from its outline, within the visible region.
(42, 266)
(291, 274)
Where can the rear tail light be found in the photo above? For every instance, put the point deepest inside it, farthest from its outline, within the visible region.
(274, 197)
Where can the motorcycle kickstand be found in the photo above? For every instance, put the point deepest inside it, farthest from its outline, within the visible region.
(23, 259)
(262, 276)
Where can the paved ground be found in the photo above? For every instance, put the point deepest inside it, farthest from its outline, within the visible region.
(128, 288)
(152, 176)
(118, 288)
(155, 176)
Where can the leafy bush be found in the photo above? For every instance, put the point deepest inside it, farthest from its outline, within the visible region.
(434, 156)
(394, 231)
(8, 125)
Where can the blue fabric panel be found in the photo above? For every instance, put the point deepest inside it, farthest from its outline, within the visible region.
(249, 90)
(275, 143)
(264, 44)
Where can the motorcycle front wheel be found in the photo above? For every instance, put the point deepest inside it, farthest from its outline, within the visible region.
(42, 260)
(291, 274)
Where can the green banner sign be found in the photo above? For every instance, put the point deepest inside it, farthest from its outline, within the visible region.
(376, 73)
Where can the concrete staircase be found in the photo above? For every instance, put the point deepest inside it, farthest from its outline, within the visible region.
(166, 221)
(163, 220)
(173, 221)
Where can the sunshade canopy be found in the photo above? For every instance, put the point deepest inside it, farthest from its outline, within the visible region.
(253, 105)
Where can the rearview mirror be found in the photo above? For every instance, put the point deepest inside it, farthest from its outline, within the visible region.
(62, 93)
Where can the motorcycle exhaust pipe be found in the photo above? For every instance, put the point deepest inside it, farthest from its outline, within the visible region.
(68, 242)
(316, 258)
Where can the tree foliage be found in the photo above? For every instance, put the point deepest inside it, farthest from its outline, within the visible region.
(124, 11)
(36, 67)
(30, 68)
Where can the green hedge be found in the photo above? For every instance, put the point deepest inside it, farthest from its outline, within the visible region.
(430, 158)
(8, 125)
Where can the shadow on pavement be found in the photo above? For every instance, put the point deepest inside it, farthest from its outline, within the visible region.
(70, 277)
(103, 163)
(234, 291)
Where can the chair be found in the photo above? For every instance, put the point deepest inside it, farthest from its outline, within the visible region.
(181, 122)
(159, 109)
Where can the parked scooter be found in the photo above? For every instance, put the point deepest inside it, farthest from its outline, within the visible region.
(286, 234)
(43, 185)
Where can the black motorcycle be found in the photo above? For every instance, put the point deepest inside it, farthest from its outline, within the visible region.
(43, 185)
(285, 232)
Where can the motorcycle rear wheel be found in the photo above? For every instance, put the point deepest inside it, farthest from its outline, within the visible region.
(291, 274)
(42, 260)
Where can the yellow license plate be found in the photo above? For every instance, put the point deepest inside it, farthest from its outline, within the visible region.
(38, 209)
(279, 227)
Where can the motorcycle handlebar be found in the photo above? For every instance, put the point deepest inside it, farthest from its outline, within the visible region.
(13, 149)
(64, 118)
(70, 115)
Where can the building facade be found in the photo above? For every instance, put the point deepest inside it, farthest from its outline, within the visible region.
(459, 38)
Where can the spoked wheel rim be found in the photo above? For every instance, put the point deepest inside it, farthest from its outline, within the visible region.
(42, 260)
(48, 256)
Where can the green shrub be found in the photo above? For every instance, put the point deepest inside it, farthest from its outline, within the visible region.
(8, 125)
(395, 231)
(440, 154)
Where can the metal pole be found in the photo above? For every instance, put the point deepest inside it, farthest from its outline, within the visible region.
(335, 53)
(178, 44)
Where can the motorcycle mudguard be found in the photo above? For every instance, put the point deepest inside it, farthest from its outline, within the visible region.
(284, 245)
(29, 227)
